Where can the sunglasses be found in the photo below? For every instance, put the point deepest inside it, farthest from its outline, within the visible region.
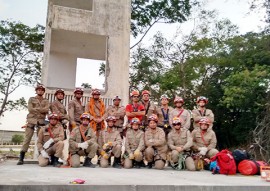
(174, 124)
(136, 96)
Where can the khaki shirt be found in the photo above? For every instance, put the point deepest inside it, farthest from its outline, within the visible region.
(38, 109)
(44, 135)
(58, 108)
(118, 112)
(208, 139)
(156, 139)
(161, 117)
(197, 115)
(106, 136)
(150, 109)
(75, 110)
(76, 137)
(180, 139)
(134, 141)
(185, 116)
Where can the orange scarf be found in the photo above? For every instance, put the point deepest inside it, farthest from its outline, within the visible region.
(93, 124)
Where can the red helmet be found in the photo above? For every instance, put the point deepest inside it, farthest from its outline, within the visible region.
(164, 96)
(53, 116)
(59, 91)
(40, 86)
(134, 93)
(205, 121)
(177, 120)
(178, 99)
(135, 120)
(146, 92)
(153, 117)
(111, 118)
(78, 90)
(202, 98)
(116, 97)
(96, 92)
(85, 116)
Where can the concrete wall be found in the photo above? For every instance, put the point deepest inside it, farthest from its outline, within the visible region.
(98, 29)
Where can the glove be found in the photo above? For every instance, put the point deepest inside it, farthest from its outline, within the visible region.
(203, 150)
(83, 145)
(137, 153)
(44, 154)
(106, 146)
(73, 125)
(104, 155)
(48, 143)
(131, 156)
(65, 121)
(110, 144)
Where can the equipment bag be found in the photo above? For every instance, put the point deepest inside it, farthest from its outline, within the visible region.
(226, 162)
(250, 167)
(239, 155)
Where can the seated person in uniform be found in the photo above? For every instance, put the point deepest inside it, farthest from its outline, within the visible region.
(83, 142)
(134, 145)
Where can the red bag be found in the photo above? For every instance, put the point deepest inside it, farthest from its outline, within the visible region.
(250, 167)
(225, 162)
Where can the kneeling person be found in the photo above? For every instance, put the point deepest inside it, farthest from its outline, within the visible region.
(110, 143)
(134, 145)
(50, 142)
(180, 141)
(82, 142)
(155, 141)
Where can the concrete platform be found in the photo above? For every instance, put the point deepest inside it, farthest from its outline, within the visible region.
(32, 177)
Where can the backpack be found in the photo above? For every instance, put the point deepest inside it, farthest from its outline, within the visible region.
(239, 155)
(225, 161)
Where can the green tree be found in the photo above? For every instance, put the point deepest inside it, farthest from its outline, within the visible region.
(17, 139)
(21, 50)
(86, 85)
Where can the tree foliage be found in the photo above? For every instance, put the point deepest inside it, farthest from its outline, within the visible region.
(17, 139)
(21, 49)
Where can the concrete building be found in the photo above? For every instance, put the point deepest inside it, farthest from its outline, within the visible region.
(90, 29)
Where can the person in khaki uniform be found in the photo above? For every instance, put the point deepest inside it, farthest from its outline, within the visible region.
(134, 145)
(110, 143)
(180, 141)
(119, 112)
(58, 107)
(163, 113)
(204, 139)
(50, 142)
(38, 108)
(83, 142)
(156, 146)
(75, 109)
(96, 108)
(150, 108)
(179, 111)
(202, 112)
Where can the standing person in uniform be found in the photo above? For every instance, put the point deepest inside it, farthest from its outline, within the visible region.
(163, 113)
(179, 111)
(50, 142)
(135, 109)
(202, 112)
(58, 107)
(38, 108)
(75, 109)
(110, 143)
(96, 108)
(134, 145)
(204, 139)
(180, 142)
(118, 112)
(150, 108)
(156, 146)
(83, 142)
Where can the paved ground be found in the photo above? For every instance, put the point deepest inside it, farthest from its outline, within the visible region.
(35, 175)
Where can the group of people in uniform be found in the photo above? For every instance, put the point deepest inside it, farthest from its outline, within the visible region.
(152, 136)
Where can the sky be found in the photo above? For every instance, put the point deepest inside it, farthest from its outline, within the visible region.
(32, 12)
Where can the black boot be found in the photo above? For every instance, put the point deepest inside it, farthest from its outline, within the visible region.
(150, 165)
(55, 162)
(88, 163)
(136, 164)
(117, 162)
(20, 162)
